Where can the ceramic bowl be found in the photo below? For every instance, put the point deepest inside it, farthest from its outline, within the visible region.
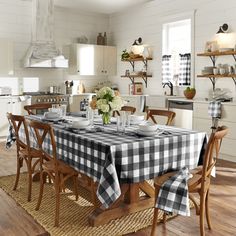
(148, 127)
(80, 123)
(51, 115)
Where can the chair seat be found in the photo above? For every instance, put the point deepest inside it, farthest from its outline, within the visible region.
(33, 153)
(62, 167)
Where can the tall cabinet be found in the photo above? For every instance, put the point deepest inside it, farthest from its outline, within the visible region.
(88, 59)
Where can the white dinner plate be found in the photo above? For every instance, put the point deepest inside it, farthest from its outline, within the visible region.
(149, 133)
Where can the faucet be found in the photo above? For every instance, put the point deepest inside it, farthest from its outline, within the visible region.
(170, 85)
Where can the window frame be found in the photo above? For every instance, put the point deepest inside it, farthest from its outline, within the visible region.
(179, 17)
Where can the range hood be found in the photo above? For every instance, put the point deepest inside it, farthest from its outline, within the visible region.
(42, 52)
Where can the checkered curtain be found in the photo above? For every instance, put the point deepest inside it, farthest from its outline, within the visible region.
(166, 69)
(185, 69)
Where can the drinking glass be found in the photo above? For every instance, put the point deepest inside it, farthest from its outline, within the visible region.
(118, 124)
(123, 120)
(63, 110)
(90, 115)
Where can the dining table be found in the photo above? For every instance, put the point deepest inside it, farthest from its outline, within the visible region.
(122, 164)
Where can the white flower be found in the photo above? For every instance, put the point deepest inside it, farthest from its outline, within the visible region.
(116, 103)
(105, 91)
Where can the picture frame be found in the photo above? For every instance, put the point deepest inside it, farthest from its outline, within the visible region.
(211, 46)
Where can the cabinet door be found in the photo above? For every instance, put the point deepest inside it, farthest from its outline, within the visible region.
(98, 60)
(15, 106)
(5, 105)
(6, 57)
(110, 60)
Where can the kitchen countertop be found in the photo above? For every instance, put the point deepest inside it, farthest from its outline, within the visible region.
(200, 100)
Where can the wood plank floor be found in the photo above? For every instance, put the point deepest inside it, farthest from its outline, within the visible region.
(15, 221)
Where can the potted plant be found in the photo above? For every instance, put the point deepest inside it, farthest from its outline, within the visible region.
(189, 93)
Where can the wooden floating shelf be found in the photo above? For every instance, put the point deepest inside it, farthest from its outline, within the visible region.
(138, 59)
(135, 76)
(217, 76)
(217, 53)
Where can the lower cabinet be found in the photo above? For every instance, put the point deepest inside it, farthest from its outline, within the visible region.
(203, 122)
(9, 104)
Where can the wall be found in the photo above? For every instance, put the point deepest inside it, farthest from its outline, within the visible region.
(146, 21)
(15, 24)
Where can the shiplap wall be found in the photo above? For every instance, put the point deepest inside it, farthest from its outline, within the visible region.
(146, 21)
(15, 24)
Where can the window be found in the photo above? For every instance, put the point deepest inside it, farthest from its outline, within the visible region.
(176, 51)
(30, 84)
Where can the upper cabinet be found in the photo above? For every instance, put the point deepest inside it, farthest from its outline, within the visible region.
(87, 59)
(6, 57)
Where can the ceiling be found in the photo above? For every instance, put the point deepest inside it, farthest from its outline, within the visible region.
(99, 6)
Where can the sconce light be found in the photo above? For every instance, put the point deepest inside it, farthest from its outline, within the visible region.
(223, 29)
(137, 47)
(137, 41)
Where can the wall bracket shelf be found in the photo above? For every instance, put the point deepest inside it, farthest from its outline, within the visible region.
(132, 63)
(213, 56)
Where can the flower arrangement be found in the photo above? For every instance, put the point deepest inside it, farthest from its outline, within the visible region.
(106, 101)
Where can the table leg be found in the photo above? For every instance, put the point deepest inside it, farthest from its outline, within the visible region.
(128, 202)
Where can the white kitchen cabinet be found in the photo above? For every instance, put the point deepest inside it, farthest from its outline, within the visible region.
(6, 57)
(203, 122)
(13, 105)
(88, 59)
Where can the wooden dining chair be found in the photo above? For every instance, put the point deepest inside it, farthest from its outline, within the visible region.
(170, 115)
(25, 153)
(57, 170)
(198, 183)
(130, 109)
(40, 106)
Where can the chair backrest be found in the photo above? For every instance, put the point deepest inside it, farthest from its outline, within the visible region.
(153, 112)
(40, 106)
(19, 122)
(43, 132)
(209, 160)
(132, 110)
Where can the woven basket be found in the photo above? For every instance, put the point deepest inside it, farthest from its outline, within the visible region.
(189, 94)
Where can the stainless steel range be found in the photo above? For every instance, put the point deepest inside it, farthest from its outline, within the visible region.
(50, 98)
(42, 97)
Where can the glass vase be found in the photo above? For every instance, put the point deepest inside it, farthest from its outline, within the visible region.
(106, 117)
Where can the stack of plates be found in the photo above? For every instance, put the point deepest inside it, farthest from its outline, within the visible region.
(80, 123)
(51, 116)
(208, 70)
(148, 129)
(136, 119)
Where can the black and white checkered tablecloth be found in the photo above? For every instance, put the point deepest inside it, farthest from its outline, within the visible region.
(111, 158)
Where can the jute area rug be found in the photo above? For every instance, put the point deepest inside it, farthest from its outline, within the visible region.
(73, 214)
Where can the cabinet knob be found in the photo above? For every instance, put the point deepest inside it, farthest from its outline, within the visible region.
(105, 71)
(102, 71)
(78, 71)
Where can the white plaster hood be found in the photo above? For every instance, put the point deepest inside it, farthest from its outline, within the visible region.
(42, 51)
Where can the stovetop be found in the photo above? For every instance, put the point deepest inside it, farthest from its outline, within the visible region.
(41, 93)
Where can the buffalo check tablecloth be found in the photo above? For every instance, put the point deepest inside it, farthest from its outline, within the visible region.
(112, 158)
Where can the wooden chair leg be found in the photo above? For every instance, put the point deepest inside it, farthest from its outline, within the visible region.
(40, 191)
(154, 223)
(29, 179)
(207, 210)
(76, 184)
(19, 164)
(164, 217)
(202, 213)
(57, 190)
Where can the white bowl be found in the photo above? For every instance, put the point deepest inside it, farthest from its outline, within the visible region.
(148, 127)
(136, 118)
(51, 115)
(80, 123)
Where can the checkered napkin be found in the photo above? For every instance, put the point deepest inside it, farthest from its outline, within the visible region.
(214, 109)
(173, 195)
(11, 138)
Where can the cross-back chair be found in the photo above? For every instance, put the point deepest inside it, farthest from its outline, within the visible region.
(57, 170)
(39, 106)
(130, 109)
(24, 151)
(170, 115)
(198, 183)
